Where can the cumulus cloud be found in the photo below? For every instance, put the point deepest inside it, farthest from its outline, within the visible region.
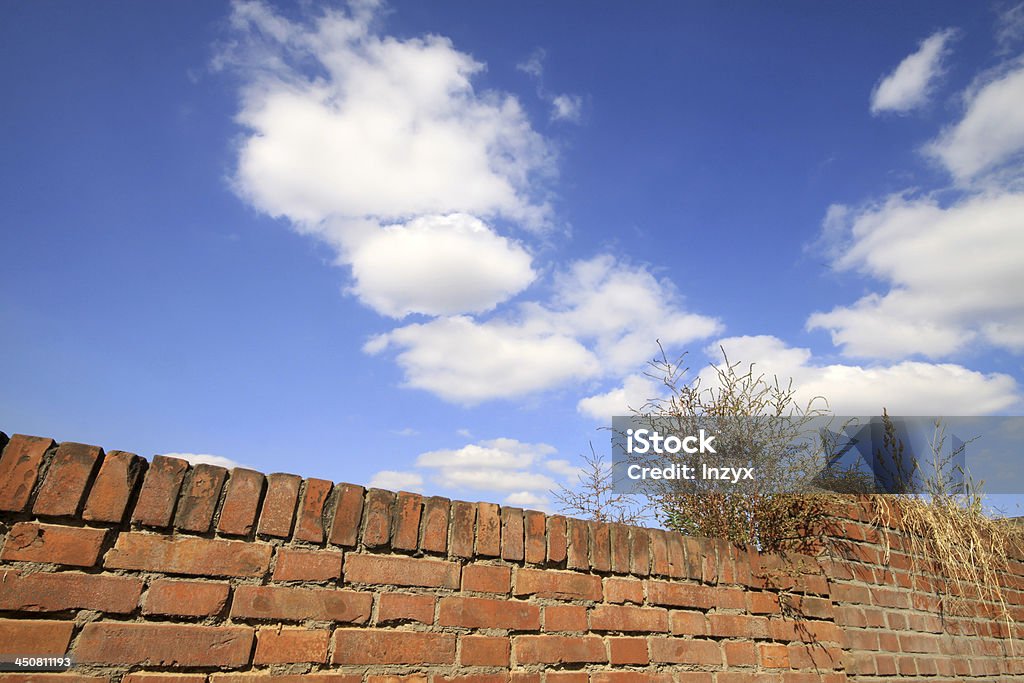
(905, 388)
(909, 85)
(566, 107)
(396, 480)
(206, 459)
(1010, 27)
(602, 319)
(953, 274)
(633, 394)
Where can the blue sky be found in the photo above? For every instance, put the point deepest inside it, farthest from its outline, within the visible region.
(431, 246)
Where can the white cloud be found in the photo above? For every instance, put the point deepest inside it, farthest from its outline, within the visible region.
(990, 136)
(634, 393)
(566, 107)
(206, 459)
(394, 480)
(501, 454)
(602, 319)
(1010, 27)
(909, 85)
(470, 268)
(905, 388)
(953, 272)
(527, 499)
(534, 64)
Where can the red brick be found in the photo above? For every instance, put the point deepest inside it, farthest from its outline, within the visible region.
(547, 583)
(524, 677)
(513, 539)
(307, 565)
(186, 598)
(35, 637)
(199, 498)
(435, 525)
(557, 539)
(408, 510)
(619, 548)
(559, 650)
(53, 678)
(600, 546)
(405, 607)
(463, 528)
(55, 592)
(63, 488)
(486, 578)
(159, 677)
(578, 544)
(628, 651)
(400, 571)
(644, 677)
(19, 470)
(625, 618)
(392, 678)
(676, 555)
(775, 656)
(488, 530)
(32, 542)
(697, 677)
(188, 555)
(488, 613)
(535, 546)
(155, 506)
(659, 552)
(348, 513)
(377, 515)
(688, 623)
(310, 524)
(471, 678)
(372, 646)
(484, 651)
(263, 677)
(300, 604)
(567, 677)
(565, 618)
(680, 595)
(279, 505)
(623, 590)
(739, 653)
(738, 626)
(763, 603)
(685, 651)
(290, 646)
(640, 560)
(108, 497)
(241, 503)
(163, 644)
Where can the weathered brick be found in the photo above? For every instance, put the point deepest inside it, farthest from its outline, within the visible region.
(159, 494)
(408, 510)
(659, 552)
(348, 513)
(557, 584)
(567, 677)
(400, 571)
(619, 591)
(619, 548)
(186, 598)
(626, 618)
(640, 557)
(685, 651)
(578, 550)
(484, 651)
(58, 591)
(108, 497)
(405, 607)
(556, 539)
(680, 595)
(241, 502)
(463, 529)
(676, 555)
(290, 646)
(310, 523)
(739, 653)
(35, 637)
(307, 565)
(162, 677)
(279, 505)
(646, 677)
(565, 618)
(600, 546)
(536, 543)
(688, 623)
(63, 488)
(163, 644)
(486, 578)
(738, 626)
(263, 677)
(33, 542)
(488, 613)
(299, 604)
(488, 530)
(199, 498)
(512, 535)
(434, 538)
(372, 646)
(625, 651)
(188, 555)
(19, 470)
(471, 678)
(559, 650)
(377, 515)
(775, 656)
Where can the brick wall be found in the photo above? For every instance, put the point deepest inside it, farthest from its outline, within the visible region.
(161, 572)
